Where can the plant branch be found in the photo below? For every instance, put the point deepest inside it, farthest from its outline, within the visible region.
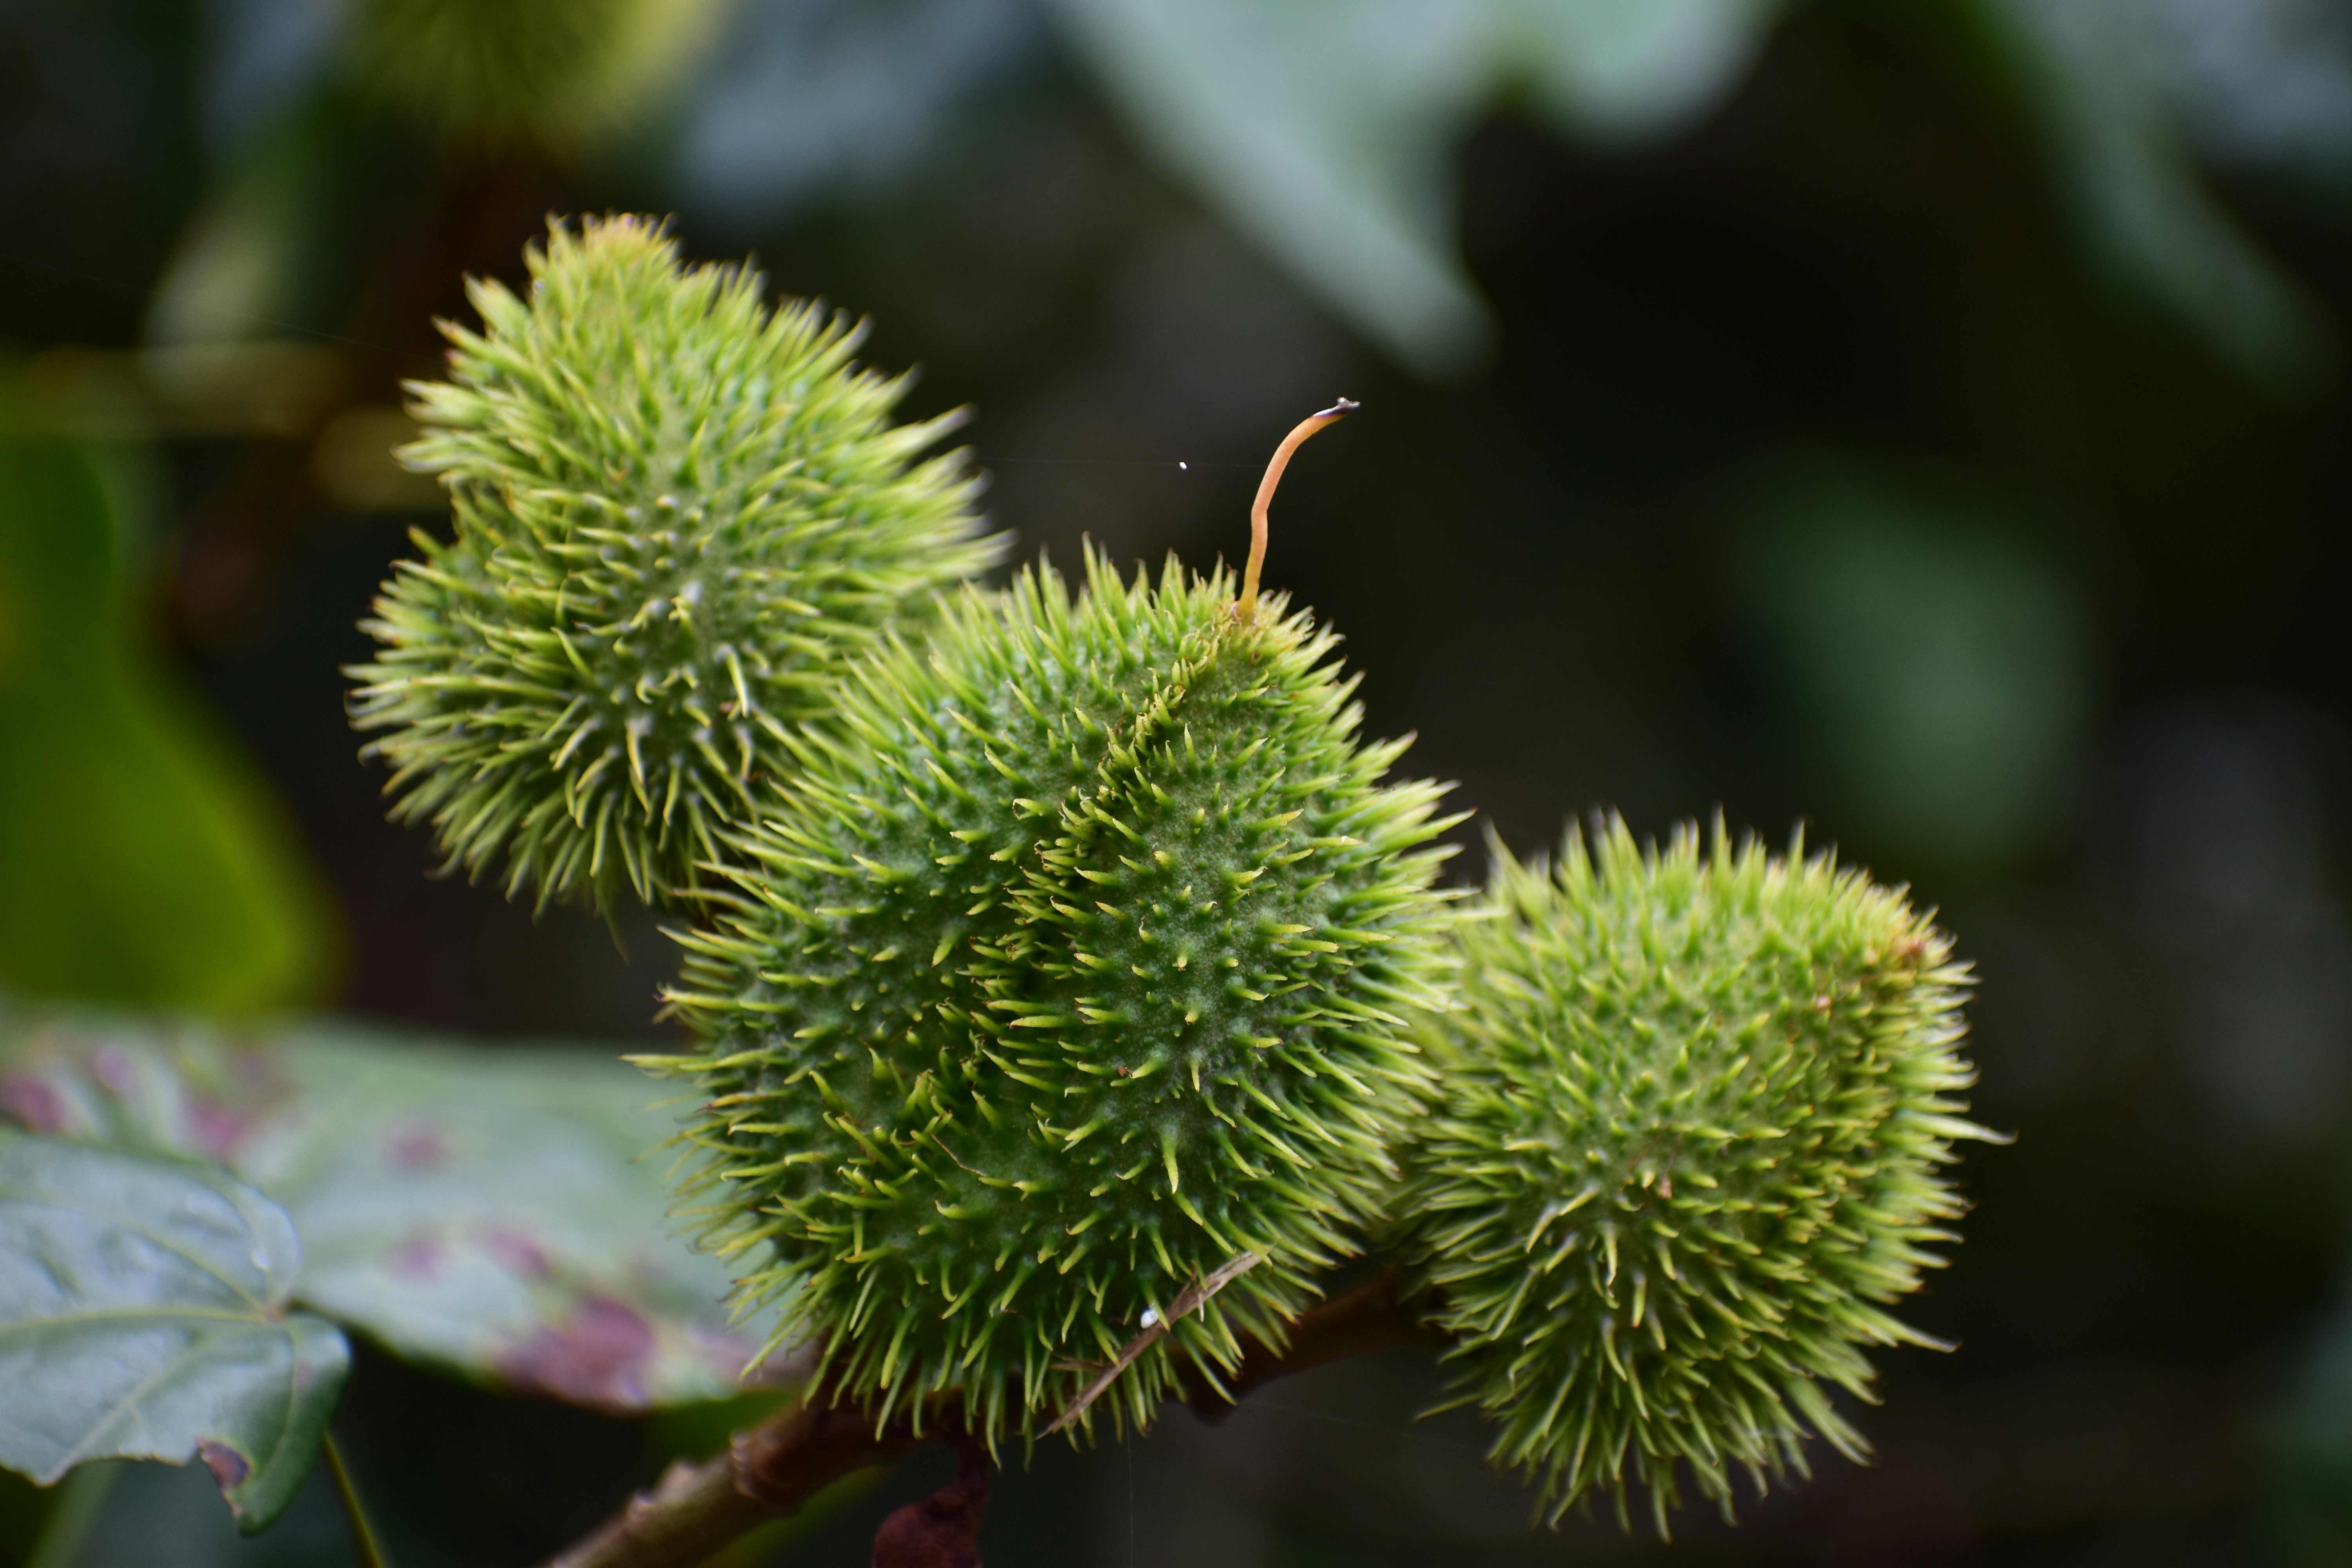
(364, 1545)
(80, 1498)
(1374, 1316)
(769, 1469)
(772, 1468)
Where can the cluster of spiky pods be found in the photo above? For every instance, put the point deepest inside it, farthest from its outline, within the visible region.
(1074, 988)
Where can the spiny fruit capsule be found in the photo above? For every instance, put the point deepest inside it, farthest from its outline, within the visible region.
(678, 516)
(548, 71)
(1697, 1107)
(1072, 972)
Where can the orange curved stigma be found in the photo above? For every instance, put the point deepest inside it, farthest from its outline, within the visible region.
(1290, 443)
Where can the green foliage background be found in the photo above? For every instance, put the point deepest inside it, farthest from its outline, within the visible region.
(147, 860)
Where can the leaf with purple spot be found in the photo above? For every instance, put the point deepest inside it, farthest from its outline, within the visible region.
(489, 1210)
(143, 1314)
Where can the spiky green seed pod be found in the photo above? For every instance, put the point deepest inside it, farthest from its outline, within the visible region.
(1072, 973)
(1698, 1107)
(547, 71)
(678, 518)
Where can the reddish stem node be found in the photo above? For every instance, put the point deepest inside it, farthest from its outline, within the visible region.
(943, 1530)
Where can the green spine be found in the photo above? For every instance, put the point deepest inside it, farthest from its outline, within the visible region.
(1074, 967)
(678, 516)
(1698, 1105)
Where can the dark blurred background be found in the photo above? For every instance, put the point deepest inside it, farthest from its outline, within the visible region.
(1922, 421)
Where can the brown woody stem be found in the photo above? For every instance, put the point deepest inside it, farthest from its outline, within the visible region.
(772, 1468)
(1374, 1316)
(768, 1469)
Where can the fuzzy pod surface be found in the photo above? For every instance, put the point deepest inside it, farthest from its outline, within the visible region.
(1698, 1108)
(1071, 970)
(678, 516)
(551, 72)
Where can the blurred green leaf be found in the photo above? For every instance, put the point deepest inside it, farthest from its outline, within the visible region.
(1937, 666)
(1327, 128)
(2307, 1444)
(485, 1210)
(257, 249)
(141, 858)
(2095, 72)
(1322, 128)
(143, 1315)
(1626, 70)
